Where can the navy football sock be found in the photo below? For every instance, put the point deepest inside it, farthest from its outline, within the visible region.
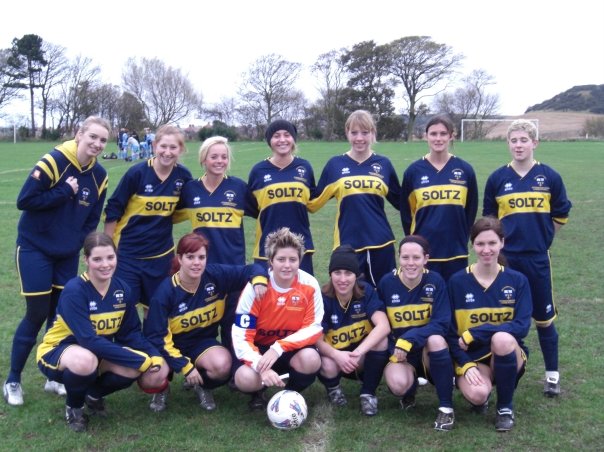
(77, 387)
(373, 368)
(108, 383)
(441, 372)
(210, 383)
(505, 378)
(548, 340)
(23, 341)
(299, 381)
(329, 382)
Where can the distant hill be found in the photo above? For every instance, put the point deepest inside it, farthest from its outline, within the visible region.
(585, 98)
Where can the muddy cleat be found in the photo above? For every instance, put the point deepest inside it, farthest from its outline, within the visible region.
(206, 398)
(159, 401)
(96, 407)
(76, 419)
(444, 421)
(336, 396)
(258, 401)
(369, 404)
(480, 409)
(407, 402)
(54, 387)
(13, 394)
(504, 421)
(551, 387)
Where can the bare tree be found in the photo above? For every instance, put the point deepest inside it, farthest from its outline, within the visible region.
(224, 111)
(420, 64)
(8, 92)
(472, 100)
(166, 94)
(267, 88)
(50, 76)
(330, 71)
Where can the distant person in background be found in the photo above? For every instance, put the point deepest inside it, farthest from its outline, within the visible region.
(439, 199)
(361, 180)
(62, 201)
(96, 346)
(282, 185)
(133, 146)
(419, 312)
(124, 137)
(355, 332)
(139, 213)
(149, 139)
(530, 200)
(491, 315)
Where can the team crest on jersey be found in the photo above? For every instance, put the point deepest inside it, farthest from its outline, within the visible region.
(334, 319)
(395, 298)
(301, 173)
(345, 171)
(119, 296)
(230, 196)
(429, 290)
(508, 186)
(182, 307)
(196, 200)
(295, 299)
(424, 180)
(148, 188)
(36, 174)
(267, 178)
(509, 295)
(457, 177)
(210, 289)
(356, 307)
(84, 195)
(376, 170)
(540, 180)
(281, 301)
(470, 298)
(92, 306)
(178, 184)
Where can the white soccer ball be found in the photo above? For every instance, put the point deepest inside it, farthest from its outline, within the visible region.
(287, 410)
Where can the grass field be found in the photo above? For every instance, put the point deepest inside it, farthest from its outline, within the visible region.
(573, 421)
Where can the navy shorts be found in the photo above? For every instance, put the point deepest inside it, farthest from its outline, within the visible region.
(39, 273)
(143, 275)
(194, 352)
(282, 365)
(537, 269)
(49, 363)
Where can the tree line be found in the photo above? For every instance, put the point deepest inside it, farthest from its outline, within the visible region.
(365, 76)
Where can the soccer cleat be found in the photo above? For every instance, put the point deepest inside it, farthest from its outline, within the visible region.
(407, 402)
(54, 387)
(336, 396)
(76, 419)
(13, 394)
(258, 401)
(96, 407)
(206, 398)
(444, 421)
(551, 387)
(369, 404)
(504, 421)
(480, 409)
(187, 386)
(159, 401)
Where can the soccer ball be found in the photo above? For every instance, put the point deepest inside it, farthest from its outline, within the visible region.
(287, 410)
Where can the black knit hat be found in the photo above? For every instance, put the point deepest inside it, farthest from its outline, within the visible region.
(280, 124)
(344, 258)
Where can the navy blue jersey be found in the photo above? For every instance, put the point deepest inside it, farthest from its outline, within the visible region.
(108, 325)
(347, 327)
(360, 190)
(143, 204)
(282, 195)
(54, 219)
(440, 205)
(179, 319)
(479, 312)
(218, 215)
(527, 206)
(418, 313)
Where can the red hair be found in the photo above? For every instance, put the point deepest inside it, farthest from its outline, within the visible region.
(189, 243)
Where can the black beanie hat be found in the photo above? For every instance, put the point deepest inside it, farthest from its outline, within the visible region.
(344, 258)
(280, 124)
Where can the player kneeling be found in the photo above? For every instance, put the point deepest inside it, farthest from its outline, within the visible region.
(95, 346)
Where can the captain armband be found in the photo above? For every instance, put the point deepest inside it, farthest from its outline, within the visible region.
(247, 321)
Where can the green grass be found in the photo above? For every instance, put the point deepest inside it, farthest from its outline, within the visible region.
(575, 420)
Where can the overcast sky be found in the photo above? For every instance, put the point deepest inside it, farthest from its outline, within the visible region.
(533, 49)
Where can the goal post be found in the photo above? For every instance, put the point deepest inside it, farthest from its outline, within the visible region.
(470, 124)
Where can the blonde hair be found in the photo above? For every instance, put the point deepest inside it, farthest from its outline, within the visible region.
(211, 141)
(283, 238)
(523, 125)
(90, 120)
(363, 120)
(168, 129)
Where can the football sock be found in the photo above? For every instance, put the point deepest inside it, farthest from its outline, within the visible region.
(299, 381)
(23, 341)
(77, 387)
(52, 310)
(210, 383)
(329, 382)
(373, 368)
(441, 371)
(505, 379)
(109, 383)
(548, 340)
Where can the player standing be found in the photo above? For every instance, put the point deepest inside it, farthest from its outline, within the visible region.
(282, 185)
(139, 215)
(530, 200)
(62, 200)
(439, 200)
(360, 180)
